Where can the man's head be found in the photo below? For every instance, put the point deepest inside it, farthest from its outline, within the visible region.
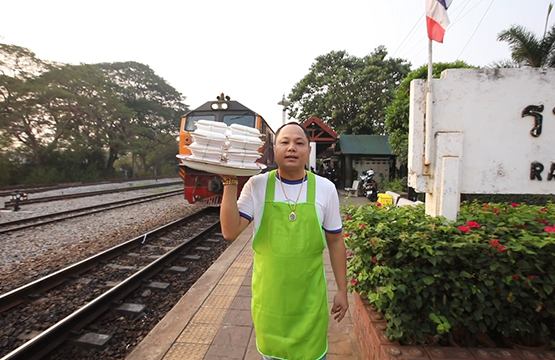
(293, 124)
(292, 147)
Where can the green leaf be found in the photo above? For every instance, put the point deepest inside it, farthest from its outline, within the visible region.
(418, 302)
(428, 280)
(465, 274)
(435, 318)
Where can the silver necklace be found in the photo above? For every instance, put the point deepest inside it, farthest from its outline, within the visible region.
(292, 205)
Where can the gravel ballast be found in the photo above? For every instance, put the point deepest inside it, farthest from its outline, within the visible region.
(31, 253)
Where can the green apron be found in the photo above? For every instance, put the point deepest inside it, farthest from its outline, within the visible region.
(289, 295)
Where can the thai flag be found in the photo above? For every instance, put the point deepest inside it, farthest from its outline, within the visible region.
(436, 18)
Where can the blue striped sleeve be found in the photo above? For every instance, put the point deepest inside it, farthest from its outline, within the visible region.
(246, 216)
(333, 231)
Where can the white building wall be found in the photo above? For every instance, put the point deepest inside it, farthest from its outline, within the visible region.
(477, 117)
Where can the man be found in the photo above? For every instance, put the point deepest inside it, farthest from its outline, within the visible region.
(295, 214)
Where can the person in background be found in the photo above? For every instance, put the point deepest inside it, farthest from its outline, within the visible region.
(295, 214)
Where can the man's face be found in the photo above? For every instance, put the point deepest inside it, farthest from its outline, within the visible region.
(292, 149)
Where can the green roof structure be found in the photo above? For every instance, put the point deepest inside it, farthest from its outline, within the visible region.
(365, 145)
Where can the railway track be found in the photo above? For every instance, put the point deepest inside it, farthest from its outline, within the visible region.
(35, 200)
(29, 189)
(35, 221)
(102, 297)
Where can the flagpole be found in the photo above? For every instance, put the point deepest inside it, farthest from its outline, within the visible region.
(428, 123)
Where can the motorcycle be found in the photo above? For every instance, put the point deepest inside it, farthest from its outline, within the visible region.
(369, 185)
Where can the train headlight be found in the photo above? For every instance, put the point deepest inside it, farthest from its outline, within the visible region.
(219, 106)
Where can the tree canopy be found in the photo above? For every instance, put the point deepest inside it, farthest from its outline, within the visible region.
(527, 49)
(74, 121)
(348, 93)
(397, 114)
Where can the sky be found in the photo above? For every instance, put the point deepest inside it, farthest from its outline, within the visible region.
(256, 51)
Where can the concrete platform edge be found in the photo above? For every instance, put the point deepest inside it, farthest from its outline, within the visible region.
(157, 343)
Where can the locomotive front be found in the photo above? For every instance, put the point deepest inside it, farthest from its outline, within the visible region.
(207, 187)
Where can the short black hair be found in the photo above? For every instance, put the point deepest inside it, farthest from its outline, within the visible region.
(294, 123)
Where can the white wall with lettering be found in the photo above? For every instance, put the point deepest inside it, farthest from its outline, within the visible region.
(491, 131)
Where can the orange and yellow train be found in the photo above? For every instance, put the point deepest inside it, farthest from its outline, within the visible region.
(207, 187)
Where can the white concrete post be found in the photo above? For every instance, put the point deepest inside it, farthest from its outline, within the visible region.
(312, 159)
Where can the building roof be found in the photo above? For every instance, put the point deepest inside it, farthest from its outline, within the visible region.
(319, 131)
(365, 145)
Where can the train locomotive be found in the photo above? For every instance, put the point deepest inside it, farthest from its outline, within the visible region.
(200, 186)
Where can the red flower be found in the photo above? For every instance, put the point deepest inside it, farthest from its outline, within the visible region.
(346, 235)
(371, 242)
(353, 282)
(348, 217)
(494, 242)
(464, 228)
(473, 224)
(501, 248)
(378, 288)
(374, 260)
(515, 277)
(486, 205)
(514, 204)
(362, 225)
(549, 229)
(379, 204)
(531, 277)
(543, 210)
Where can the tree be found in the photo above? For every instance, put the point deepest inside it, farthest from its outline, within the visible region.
(157, 107)
(349, 94)
(21, 63)
(527, 49)
(86, 112)
(76, 120)
(18, 65)
(397, 114)
(68, 108)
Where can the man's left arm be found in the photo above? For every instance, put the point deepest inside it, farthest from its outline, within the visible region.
(338, 259)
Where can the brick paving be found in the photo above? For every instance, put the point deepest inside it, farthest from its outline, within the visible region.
(213, 320)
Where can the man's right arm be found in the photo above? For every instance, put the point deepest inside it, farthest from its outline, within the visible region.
(231, 222)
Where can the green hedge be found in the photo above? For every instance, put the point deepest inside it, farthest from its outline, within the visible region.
(490, 272)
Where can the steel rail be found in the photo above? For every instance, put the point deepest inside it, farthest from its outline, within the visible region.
(49, 339)
(12, 225)
(30, 189)
(21, 294)
(89, 193)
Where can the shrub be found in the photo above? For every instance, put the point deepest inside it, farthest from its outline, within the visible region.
(397, 185)
(491, 271)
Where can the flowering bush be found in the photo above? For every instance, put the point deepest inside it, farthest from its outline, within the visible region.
(491, 271)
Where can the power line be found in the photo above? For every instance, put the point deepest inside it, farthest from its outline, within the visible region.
(460, 12)
(454, 9)
(468, 12)
(483, 16)
(409, 33)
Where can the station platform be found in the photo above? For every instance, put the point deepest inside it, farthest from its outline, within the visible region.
(213, 320)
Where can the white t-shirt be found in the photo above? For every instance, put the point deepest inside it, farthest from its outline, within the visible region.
(251, 200)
